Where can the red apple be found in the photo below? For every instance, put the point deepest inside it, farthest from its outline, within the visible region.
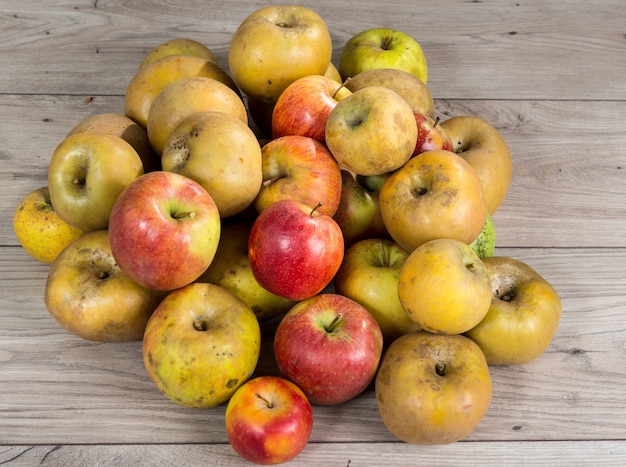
(294, 251)
(358, 214)
(268, 420)
(164, 230)
(330, 346)
(304, 106)
(431, 135)
(300, 168)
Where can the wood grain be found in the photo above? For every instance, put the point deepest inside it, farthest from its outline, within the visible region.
(549, 75)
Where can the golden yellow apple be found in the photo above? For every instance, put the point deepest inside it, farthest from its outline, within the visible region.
(178, 46)
(482, 145)
(523, 317)
(120, 125)
(433, 389)
(39, 229)
(151, 79)
(185, 97)
(408, 86)
(371, 131)
(444, 287)
(221, 153)
(274, 46)
(436, 194)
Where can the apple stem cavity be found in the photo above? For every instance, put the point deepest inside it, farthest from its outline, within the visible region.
(200, 323)
(319, 205)
(440, 368)
(267, 403)
(333, 324)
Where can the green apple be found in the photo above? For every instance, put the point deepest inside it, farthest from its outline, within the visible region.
(369, 276)
(231, 269)
(358, 214)
(485, 244)
(372, 131)
(383, 48)
(200, 345)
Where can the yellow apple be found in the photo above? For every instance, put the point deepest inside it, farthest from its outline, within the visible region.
(523, 317)
(482, 145)
(444, 287)
(371, 131)
(274, 46)
(221, 153)
(433, 389)
(369, 275)
(185, 97)
(178, 46)
(436, 194)
(117, 124)
(39, 229)
(411, 89)
(91, 297)
(152, 78)
(86, 174)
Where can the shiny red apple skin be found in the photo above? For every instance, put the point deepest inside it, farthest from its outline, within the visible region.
(301, 168)
(303, 107)
(268, 420)
(164, 230)
(330, 346)
(294, 250)
(430, 135)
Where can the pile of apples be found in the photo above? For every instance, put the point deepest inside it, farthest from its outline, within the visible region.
(348, 214)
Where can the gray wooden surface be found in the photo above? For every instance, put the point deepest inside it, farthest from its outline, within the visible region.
(550, 75)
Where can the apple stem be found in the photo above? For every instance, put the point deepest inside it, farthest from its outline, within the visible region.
(383, 253)
(268, 403)
(386, 42)
(437, 120)
(181, 215)
(319, 205)
(269, 181)
(440, 368)
(333, 324)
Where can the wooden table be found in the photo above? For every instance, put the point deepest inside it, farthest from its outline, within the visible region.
(549, 74)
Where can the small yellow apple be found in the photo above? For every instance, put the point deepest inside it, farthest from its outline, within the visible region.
(39, 229)
(444, 287)
(179, 46)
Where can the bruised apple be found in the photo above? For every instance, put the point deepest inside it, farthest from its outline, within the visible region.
(523, 317)
(433, 389)
(91, 297)
(200, 345)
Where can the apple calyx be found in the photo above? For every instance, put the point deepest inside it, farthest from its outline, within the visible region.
(440, 368)
(333, 324)
(200, 323)
(269, 404)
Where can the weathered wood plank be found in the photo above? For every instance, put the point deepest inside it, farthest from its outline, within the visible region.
(82, 392)
(558, 453)
(485, 50)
